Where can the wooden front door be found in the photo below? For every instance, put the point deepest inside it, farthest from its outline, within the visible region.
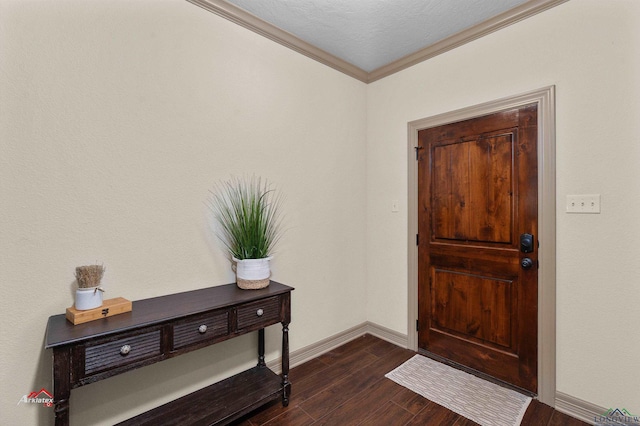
(477, 287)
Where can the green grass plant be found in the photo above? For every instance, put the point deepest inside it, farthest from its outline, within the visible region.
(248, 212)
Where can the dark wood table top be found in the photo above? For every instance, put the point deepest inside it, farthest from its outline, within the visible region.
(156, 310)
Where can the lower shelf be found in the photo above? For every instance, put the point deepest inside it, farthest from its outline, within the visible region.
(218, 404)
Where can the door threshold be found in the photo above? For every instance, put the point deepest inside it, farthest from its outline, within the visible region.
(479, 374)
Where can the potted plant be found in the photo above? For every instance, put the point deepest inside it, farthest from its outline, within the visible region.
(247, 211)
(89, 292)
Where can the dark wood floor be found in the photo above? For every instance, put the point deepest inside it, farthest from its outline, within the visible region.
(347, 387)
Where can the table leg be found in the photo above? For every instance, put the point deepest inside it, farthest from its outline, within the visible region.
(61, 385)
(286, 385)
(261, 362)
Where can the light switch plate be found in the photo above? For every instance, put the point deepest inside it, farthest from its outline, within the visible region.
(587, 203)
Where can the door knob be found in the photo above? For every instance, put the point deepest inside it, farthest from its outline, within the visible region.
(526, 263)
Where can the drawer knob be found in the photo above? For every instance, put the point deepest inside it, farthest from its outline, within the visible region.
(202, 329)
(125, 349)
(259, 312)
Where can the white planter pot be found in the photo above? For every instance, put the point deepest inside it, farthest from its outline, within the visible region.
(88, 298)
(253, 273)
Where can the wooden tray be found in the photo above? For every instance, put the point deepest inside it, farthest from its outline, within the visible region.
(109, 308)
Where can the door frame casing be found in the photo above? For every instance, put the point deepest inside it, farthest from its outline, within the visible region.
(545, 100)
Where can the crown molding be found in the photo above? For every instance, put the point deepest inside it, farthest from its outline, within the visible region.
(259, 26)
(482, 29)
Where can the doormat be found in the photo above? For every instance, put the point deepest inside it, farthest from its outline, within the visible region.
(483, 402)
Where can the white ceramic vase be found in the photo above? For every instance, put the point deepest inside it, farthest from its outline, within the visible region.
(253, 274)
(88, 298)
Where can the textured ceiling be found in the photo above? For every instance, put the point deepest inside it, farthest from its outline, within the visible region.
(372, 33)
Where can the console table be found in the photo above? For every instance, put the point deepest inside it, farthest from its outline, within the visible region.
(163, 327)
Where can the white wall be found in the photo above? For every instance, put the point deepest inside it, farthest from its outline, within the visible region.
(590, 50)
(116, 117)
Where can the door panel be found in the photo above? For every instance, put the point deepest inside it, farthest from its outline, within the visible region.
(477, 184)
(473, 307)
(472, 189)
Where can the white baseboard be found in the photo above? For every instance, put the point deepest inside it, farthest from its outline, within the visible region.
(578, 408)
(310, 352)
(387, 334)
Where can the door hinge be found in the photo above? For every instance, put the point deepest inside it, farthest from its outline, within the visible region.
(417, 326)
(417, 148)
(417, 239)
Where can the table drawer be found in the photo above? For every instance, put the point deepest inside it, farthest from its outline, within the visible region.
(201, 328)
(263, 312)
(122, 351)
